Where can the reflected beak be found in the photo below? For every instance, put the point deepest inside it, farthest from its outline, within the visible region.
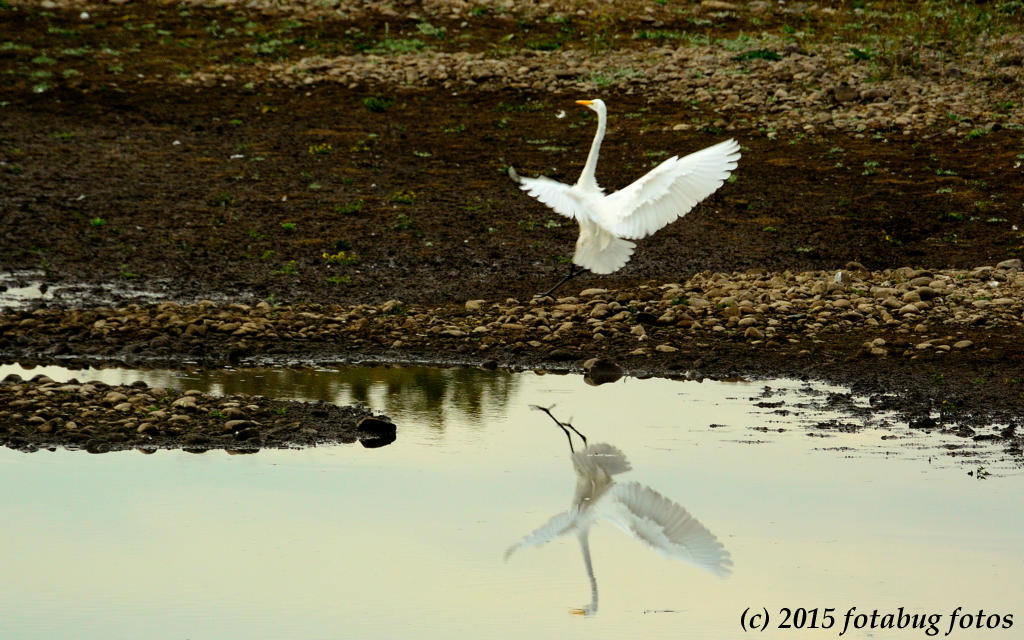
(585, 103)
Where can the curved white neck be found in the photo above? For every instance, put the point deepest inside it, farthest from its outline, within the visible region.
(589, 170)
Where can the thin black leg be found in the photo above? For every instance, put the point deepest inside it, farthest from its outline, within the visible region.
(565, 426)
(573, 272)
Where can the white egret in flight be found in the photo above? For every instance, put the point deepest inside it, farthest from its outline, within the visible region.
(608, 222)
(638, 510)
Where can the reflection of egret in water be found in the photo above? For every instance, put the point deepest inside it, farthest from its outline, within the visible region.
(640, 511)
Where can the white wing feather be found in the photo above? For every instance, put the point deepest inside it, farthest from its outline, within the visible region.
(556, 195)
(664, 526)
(667, 192)
(557, 526)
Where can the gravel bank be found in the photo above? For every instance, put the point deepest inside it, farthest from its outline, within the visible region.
(929, 311)
(894, 70)
(808, 91)
(96, 417)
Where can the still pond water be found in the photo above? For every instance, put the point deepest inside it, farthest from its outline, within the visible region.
(406, 541)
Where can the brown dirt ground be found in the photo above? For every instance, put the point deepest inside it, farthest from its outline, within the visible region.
(238, 195)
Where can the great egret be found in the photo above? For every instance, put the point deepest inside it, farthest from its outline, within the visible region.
(640, 511)
(668, 191)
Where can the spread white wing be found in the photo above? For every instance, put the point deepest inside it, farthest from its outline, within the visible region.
(557, 526)
(556, 195)
(663, 525)
(667, 192)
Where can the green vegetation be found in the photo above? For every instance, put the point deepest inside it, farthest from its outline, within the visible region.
(340, 258)
(288, 269)
(377, 104)
(403, 197)
(351, 208)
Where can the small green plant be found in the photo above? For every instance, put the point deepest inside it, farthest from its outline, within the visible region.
(770, 230)
(126, 274)
(612, 76)
(97, 222)
(223, 200)
(870, 168)
(403, 197)
(658, 34)
(341, 258)
(340, 279)
(428, 29)
(216, 413)
(351, 208)
(859, 54)
(235, 122)
(377, 104)
(288, 226)
(405, 223)
(288, 269)
(321, 148)
(399, 45)
(890, 238)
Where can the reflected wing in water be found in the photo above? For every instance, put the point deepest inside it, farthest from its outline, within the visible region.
(557, 526)
(664, 526)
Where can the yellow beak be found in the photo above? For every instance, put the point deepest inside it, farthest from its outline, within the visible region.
(585, 103)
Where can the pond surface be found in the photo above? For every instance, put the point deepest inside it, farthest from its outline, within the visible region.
(408, 540)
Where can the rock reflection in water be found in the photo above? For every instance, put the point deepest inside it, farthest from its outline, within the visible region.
(420, 393)
(638, 510)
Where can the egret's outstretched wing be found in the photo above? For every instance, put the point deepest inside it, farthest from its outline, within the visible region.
(556, 526)
(663, 526)
(556, 195)
(669, 191)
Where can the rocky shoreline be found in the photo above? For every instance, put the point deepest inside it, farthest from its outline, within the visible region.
(937, 346)
(932, 310)
(41, 413)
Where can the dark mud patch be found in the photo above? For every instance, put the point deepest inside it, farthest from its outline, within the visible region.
(96, 417)
(311, 197)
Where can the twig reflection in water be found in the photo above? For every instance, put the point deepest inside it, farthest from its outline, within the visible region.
(640, 511)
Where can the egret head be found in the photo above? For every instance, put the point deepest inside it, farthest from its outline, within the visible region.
(596, 105)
